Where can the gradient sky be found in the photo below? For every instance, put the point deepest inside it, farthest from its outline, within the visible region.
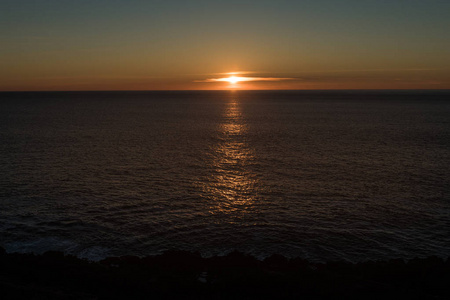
(158, 45)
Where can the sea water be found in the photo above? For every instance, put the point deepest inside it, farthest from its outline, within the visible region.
(322, 175)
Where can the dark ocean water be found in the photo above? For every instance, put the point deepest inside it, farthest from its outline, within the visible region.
(321, 175)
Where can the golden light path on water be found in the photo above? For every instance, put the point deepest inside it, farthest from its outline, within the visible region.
(232, 185)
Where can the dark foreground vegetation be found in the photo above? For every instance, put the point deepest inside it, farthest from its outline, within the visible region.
(185, 275)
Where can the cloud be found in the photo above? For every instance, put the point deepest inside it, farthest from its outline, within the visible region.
(240, 79)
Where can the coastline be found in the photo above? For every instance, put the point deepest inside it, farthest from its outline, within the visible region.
(186, 275)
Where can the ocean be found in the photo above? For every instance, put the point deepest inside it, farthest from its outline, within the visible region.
(321, 175)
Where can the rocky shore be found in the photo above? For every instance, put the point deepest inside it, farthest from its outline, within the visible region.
(185, 275)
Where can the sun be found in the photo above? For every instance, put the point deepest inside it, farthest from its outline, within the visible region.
(233, 79)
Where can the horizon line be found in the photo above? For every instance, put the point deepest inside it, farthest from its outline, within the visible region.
(218, 90)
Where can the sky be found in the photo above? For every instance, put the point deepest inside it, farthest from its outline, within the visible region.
(184, 45)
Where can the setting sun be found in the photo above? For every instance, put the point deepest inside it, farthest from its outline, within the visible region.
(233, 79)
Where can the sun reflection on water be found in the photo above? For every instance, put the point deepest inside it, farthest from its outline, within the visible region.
(232, 185)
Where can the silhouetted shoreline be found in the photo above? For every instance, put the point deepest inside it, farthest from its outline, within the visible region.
(180, 274)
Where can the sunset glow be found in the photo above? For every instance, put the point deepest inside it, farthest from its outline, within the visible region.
(157, 45)
(234, 79)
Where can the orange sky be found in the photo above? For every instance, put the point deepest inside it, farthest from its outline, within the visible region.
(182, 45)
